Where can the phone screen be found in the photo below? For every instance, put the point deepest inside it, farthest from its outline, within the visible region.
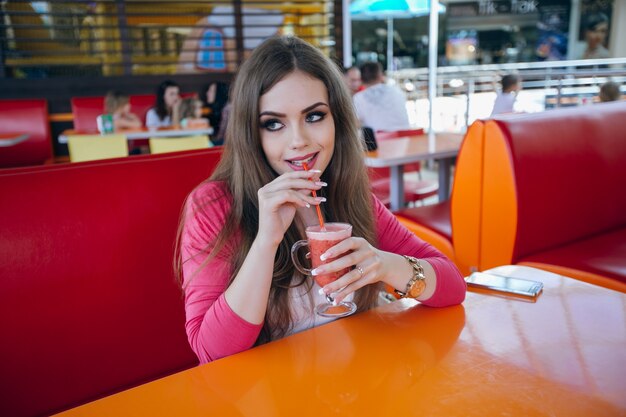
(501, 283)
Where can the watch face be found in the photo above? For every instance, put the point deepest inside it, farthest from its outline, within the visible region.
(417, 289)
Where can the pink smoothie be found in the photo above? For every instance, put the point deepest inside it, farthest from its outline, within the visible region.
(320, 241)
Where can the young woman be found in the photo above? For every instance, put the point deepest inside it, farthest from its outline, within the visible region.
(166, 112)
(291, 106)
(117, 104)
(191, 114)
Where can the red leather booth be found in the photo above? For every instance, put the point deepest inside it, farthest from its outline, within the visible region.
(29, 117)
(544, 190)
(554, 193)
(88, 301)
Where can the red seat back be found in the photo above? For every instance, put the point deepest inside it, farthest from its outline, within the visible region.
(393, 134)
(85, 111)
(569, 171)
(88, 301)
(30, 117)
(140, 104)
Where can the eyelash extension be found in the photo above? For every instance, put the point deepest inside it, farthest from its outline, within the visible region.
(317, 113)
(266, 124)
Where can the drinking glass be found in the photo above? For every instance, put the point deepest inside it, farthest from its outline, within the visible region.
(319, 241)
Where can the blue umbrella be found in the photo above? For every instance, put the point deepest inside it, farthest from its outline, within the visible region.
(389, 10)
(394, 8)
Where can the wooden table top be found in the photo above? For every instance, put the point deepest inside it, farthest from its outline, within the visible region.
(563, 355)
(409, 149)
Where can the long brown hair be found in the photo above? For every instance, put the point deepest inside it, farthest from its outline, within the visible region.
(244, 169)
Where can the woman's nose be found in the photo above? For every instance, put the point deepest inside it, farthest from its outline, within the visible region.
(299, 138)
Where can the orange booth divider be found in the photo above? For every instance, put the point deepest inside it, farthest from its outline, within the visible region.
(459, 238)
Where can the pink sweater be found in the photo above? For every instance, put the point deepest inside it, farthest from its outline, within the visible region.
(216, 331)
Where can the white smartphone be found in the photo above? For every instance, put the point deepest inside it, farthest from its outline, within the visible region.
(501, 283)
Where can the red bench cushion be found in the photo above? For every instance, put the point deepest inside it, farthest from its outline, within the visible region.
(601, 255)
(434, 216)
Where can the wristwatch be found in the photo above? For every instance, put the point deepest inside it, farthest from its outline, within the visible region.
(417, 284)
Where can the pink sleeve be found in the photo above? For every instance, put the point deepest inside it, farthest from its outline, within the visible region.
(395, 238)
(214, 330)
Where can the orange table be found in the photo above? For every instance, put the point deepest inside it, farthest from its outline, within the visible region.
(11, 139)
(563, 355)
(395, 153)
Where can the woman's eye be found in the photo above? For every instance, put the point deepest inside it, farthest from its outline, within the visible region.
(315, 116)
(272, 125)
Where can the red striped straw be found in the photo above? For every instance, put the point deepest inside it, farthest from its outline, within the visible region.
(319, 211)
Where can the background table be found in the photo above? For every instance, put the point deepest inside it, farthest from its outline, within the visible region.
(145, 133)
(11, 139)
(562, 355)
(395, 153)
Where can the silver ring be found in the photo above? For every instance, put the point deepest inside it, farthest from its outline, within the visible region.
(358, 268)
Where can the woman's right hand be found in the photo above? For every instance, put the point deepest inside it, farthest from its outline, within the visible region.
(279, 199)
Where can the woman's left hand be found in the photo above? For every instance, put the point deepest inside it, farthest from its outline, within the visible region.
(368, 263)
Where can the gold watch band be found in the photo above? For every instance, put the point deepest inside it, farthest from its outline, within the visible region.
(417, 284)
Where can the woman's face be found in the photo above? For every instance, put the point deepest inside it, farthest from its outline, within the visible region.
(597, 35)
(171, 96)
(296, 124)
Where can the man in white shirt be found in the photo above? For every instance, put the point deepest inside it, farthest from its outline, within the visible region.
(380, 106)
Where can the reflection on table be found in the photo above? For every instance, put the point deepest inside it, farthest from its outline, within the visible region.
(395, 153)
(561, 355)
(146, 133)
(12, 139)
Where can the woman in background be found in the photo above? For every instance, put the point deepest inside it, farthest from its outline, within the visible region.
(217, 101)
(191, 114)
(596, 31)
(166, 111)
(117, 105)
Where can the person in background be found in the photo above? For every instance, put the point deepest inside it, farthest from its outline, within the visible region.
(290, 106)
(610, 91)
(191, 114)
(380, 106)
(216, 96)
(117, 105)
(166, 111)
(596, 31)
(505, 100)
(221, 132)
(352, 76)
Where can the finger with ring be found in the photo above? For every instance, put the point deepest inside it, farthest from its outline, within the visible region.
(358, 268)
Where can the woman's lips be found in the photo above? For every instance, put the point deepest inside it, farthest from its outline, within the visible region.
(297, 164)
